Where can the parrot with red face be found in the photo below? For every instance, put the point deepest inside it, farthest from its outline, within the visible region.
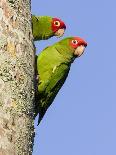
(53, 65)
(45, 27)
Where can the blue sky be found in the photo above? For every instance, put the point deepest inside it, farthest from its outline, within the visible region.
(82, 119)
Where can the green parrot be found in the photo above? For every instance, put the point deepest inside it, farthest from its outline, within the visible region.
(45, 27)
(53, 65)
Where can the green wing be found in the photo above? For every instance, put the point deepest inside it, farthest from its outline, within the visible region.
(48, 60)
(53, 86)
(41, 27)
(35, 27)
(56, 82)
(53, 68)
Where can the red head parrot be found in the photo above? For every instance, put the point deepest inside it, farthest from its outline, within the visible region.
(53, 65)
(45, 27)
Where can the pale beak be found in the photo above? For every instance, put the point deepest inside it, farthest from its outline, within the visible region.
(79, 50)
(60, 32)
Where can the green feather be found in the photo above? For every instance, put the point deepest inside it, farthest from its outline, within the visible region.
(54, 85)
(41, 27)
(53, 65)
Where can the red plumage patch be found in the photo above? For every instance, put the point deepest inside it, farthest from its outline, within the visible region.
(57, 24)
(77, 41)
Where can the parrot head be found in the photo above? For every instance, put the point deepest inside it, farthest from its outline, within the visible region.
(75, 45)
(58, 27)
(78, 45)
(45, 27)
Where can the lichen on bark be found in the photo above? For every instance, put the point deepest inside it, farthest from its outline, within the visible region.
(16, 78)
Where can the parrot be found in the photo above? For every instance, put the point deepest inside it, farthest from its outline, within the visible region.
(53, 65)
(45, 27)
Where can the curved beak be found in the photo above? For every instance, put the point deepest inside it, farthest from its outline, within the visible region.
(79, 50)
(60, 32)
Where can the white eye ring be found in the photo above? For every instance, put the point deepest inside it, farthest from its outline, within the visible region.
(75, 42)
(56, 23)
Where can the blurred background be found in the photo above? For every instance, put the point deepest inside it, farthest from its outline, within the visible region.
(82, 119)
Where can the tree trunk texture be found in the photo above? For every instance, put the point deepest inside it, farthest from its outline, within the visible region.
(16, 78)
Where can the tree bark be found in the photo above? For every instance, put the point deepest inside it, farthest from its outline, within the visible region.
(16, 78)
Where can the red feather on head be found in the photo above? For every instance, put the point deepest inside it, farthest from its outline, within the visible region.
(57, 24)
(77, 41)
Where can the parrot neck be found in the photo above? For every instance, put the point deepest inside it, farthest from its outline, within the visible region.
(65, 53)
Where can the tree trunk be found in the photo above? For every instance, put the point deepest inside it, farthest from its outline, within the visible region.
(16, 78)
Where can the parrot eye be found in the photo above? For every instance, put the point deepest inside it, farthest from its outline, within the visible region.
(75, 42)
(57, 23)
